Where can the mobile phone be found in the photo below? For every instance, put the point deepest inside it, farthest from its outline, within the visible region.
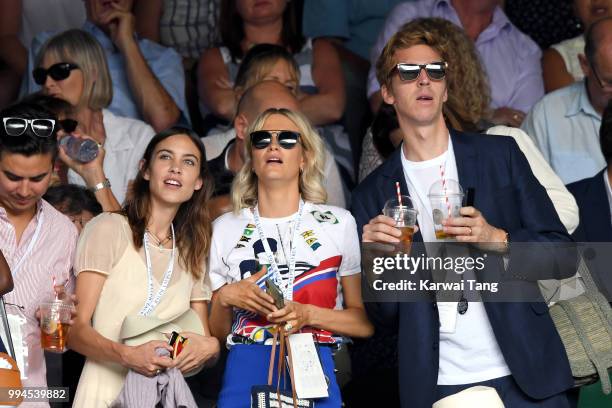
(177, 342)
(274, 291)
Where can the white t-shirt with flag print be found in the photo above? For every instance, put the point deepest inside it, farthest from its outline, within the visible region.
(327, 249)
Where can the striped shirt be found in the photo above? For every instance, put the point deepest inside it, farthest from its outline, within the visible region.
(51, 256)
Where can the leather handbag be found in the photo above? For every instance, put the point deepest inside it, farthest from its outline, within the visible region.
(10, 379)
(268, 396)
(584, 324)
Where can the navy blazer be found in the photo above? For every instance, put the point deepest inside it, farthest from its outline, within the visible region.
(594, 207)
(509, 197)
(595, 226)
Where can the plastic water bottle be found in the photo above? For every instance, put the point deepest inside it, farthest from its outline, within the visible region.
(81, 150)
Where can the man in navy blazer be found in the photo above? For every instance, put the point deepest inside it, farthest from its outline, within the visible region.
(512, 347)
(594, 198)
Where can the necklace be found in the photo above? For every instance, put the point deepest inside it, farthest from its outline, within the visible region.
(154, 299)
(159, 243)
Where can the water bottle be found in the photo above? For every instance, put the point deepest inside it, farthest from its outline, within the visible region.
(81, 150)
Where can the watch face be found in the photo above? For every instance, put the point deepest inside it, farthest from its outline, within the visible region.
(105, 184)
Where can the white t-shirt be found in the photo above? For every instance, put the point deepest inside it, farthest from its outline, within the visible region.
(328, 248)
(470, 353)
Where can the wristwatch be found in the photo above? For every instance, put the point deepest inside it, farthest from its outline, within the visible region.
(105, 184)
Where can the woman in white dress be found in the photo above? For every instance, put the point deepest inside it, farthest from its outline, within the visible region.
(148, 261)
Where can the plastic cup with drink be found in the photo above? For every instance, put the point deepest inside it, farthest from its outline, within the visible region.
(401, 210)
(55, 316)
(446, 199)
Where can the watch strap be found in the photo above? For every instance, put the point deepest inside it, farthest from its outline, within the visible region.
(102, 185)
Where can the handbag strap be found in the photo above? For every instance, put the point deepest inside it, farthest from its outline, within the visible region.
(294, 394)
(601, 368)
(280, 339)
(592, 292)
(272, 354)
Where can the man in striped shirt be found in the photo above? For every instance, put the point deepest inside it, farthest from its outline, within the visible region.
(37, 241)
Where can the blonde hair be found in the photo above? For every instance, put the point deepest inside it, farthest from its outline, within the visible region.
(244, 186)
(81, 48)
(468, 88)
(259, 62)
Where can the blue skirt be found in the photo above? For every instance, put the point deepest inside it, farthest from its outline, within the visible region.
(247, 365)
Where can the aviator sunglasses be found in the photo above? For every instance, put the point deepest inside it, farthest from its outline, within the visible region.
(17, 126)
(409, 72)
(58, 72)
(287, 139)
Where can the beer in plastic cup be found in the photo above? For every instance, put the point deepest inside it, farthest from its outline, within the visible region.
(54, 318)
(446, 200)
(405, 217)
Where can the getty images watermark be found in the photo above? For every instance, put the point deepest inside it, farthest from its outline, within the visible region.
(410, 264)
(447, 271)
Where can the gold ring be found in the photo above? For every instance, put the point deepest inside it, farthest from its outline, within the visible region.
(470, 228)
(288, 327)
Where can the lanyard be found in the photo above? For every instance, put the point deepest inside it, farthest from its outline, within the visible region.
(286, 285)
(153, 301)
(30, 247)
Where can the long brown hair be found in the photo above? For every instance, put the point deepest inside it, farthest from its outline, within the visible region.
(232, 28)
(191, 224)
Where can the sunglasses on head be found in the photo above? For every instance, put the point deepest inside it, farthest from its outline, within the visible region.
(68, 125)
(58, 72)
(409, 72)
(18, 126)
(287, 139)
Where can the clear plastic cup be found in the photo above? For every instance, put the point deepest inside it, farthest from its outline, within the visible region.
(404, 215)
(54, 318)
(446, 200)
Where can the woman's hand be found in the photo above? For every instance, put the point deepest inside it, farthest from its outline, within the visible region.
(93, 171)
(197, 351)
(295, 316)
(472, 227)
(144, 359)
(246, 295)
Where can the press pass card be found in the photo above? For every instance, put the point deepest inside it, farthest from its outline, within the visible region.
(307, 370)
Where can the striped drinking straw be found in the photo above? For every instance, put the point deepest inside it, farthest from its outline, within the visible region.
(448, 206)
(399, 194)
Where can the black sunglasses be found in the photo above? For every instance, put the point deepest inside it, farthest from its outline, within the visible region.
(409, 72)
(17, 126)
(68, 125)
(287, 139)
(58, 72)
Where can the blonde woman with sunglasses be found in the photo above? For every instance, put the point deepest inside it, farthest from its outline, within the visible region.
(282, 230)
